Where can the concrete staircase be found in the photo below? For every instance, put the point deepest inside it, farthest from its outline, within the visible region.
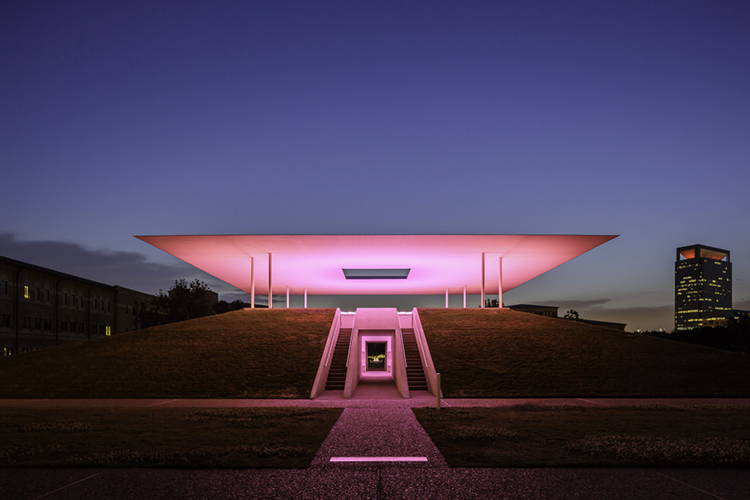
(414, 370)
(337, 373)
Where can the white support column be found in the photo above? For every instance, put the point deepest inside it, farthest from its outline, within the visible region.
(464, 296)
(287, 296)
(270, 288)
(446, 298)
(500, 284)
(481, 304)
(252, 283)
(305, 298)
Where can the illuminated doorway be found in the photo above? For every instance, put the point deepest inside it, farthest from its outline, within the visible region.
(376, 356)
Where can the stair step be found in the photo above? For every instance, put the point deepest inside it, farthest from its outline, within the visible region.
(337, 372)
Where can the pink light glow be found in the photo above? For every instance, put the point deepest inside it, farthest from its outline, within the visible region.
(378, 459)
(437, 262)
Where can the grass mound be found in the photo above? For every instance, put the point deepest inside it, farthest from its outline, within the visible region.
(243, 354)
(631, 436)
(503, 353)
(163, 437)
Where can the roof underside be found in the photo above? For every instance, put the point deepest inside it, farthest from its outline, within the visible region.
(316, 262)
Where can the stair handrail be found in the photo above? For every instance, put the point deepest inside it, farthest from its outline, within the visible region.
(417, 325)
(351, 339)
(403, 349)
(322, 374)
(425, 356)
(336, 334)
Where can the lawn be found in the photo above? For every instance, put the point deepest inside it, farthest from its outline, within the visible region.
(544, 436)
(503, 353)
(163, 437)
(256, 353)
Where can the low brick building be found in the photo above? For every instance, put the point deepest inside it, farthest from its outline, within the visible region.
(42, 308)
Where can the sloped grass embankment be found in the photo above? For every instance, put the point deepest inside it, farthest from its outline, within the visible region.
(243, 354)
(502, 353)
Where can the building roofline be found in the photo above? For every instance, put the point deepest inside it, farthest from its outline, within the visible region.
(698, 245)
(59, 274)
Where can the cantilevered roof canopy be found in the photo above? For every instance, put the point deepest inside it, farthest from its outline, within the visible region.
(434, 262)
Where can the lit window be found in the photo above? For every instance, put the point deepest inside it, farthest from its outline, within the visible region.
(107, 331)
(26, 293)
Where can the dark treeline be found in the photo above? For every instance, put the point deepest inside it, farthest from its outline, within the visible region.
(733, 337)
(185, 301)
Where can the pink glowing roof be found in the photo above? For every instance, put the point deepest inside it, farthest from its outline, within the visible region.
(316, 262)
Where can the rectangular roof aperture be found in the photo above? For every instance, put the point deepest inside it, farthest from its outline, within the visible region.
(376, 274)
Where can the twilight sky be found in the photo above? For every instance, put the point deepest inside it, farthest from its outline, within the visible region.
(186, 117)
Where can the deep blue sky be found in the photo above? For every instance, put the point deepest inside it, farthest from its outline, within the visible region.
(629, 118)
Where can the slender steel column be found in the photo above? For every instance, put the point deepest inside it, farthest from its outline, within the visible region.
(270, 288)
(500, 284)
(252, 283)
(305, 298)
(287, 296)
(464, 296)
(482, 303)
(446, 298)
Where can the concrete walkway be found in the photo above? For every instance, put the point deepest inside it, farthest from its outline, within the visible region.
(332, 399)
(379, 482)
(383, 434)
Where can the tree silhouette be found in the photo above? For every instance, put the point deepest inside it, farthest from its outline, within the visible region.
(572, 314)
(182, 302)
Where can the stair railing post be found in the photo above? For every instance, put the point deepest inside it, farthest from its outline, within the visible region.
(438, 391)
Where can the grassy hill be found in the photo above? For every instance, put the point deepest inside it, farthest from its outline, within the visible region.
(503, 353)
(241, 354)
(275, 354)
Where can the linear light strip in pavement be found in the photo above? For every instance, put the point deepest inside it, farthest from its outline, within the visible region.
(378, 459)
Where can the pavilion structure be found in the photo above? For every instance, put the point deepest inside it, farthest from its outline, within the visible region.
(375, 264)
(376, 344)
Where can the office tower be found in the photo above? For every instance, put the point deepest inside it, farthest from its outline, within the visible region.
(703, 287)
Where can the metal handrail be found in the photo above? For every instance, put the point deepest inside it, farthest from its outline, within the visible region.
(332, 347)
(414, 322)
(403, 349)
(349, 353)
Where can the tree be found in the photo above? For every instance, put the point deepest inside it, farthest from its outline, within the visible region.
(223, 306)
(572, 314)
(182, 302)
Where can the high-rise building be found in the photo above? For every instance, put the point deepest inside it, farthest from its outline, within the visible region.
(703, 287)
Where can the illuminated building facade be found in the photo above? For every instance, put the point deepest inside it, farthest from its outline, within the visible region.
(703, 287)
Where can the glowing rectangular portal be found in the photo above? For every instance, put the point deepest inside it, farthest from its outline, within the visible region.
(378, 459)
(376, 274)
